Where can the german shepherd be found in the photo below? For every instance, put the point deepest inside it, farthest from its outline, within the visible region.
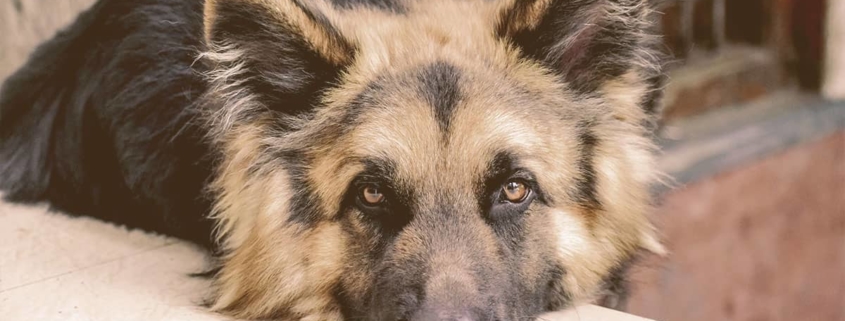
(355, 159)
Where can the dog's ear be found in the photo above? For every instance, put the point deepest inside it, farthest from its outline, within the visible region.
(598, 48)
(280, 52)
(590, 43)
(265, 59)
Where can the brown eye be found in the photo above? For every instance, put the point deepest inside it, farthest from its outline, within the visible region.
(371, 195)
(515, 191)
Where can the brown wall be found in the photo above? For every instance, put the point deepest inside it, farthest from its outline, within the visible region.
(764, 242)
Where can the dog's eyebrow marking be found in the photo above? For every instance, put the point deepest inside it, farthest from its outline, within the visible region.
(383, 168)
(586, 183)
(305, 207)
(440, 88)
(363, 100)
(496, 173)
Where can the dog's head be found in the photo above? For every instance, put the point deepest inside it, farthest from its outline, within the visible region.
(428, 160)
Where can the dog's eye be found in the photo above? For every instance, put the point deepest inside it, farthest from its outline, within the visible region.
(515, 191)
(371, 195)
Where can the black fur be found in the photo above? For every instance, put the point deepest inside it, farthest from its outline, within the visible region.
(103, 119)
(497, 173)
(100, 120)
(652, 102)
(601, 48)
(586, 183)
(395, 6)
(439, 86)
(362, 101)
(285, 73)
(555, 303)
(392, 216)
(504, 166)
(506, 219)
(617, 288)
(280, 65)
(304, 206)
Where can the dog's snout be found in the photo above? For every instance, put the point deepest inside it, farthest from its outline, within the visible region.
(447, 314)
(451, 297)
(452, 279)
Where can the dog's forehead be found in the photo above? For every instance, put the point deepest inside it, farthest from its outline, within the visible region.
(439, 121)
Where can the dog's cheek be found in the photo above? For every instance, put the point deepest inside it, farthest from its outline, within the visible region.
(585, 259)
(290, 272)
(356, 279)
(540, 267)
(356, 283)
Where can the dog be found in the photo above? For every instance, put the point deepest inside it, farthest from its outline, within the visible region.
(356, 159)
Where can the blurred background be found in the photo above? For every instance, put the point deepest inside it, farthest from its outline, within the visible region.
(753, 135)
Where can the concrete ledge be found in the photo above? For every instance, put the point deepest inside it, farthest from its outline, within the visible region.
(702, 146)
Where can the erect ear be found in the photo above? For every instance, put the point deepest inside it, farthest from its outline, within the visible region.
(589, 42)
(279, 51)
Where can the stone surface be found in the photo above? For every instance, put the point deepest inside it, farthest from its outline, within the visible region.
(763, 242)
(734, 76)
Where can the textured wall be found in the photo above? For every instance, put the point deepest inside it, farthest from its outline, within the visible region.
(26, 23)
(764, 242)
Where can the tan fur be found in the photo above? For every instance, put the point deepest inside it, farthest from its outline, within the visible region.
(272, 267)
(515, 18)
(305, 263)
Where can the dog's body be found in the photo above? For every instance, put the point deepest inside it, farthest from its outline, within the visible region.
(100, 122)
(384, 160)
